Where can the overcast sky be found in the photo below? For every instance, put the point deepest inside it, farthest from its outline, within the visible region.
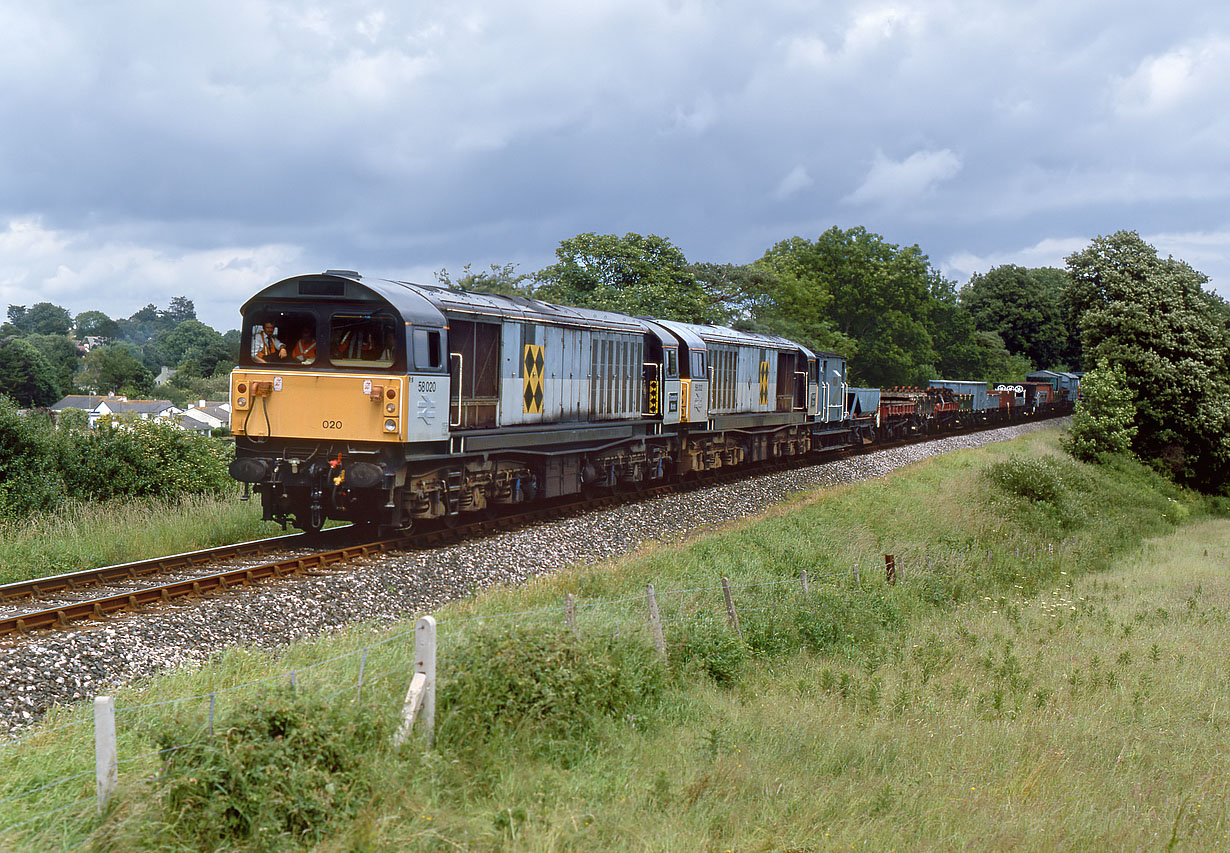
(150, 149)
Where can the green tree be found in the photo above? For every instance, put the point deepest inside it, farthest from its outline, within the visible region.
(738, 293)
(25, 374)
(875, 295)
(28, 478)
(191, 340)
(1026, 308)
(41, 319)
(61, 353)
(1103, 420)
(142, 325)
(502, 279)
(187, 386)
(179, 310)
(115, 369)
(140, 459)
(231, 339)
(791, 300)
(633, 274)
(95, 324)
(1152, 318)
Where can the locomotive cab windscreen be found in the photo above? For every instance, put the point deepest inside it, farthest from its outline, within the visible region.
(366, 340)
(291, 337)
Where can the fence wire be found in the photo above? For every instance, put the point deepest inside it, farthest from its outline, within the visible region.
(615, 617)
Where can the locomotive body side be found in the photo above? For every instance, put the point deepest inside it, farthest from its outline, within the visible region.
(388, 402)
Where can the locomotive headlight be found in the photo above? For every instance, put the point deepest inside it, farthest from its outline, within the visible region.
(390, 425)
(242, 402)
(391, 408)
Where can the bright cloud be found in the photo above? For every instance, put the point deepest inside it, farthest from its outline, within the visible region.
(77, 271)
(1165, 81)
(891, 181)
(795, 182)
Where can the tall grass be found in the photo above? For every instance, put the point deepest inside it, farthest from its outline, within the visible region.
(80, 536)
(1038, 680)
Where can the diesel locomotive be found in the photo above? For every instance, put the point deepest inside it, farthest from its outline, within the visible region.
(387, 402)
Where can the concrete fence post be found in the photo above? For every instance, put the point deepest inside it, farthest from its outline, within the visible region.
(106, 770)
(420, 700)
(803, 580)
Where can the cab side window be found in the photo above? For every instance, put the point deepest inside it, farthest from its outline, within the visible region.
(427, 354)
(672, 363)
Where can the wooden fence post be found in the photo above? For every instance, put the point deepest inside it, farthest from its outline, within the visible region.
(890, 569)
(655, 621)
(106, 771)
(570, 612)
(731, 615)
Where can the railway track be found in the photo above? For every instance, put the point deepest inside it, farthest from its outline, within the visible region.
(65, 614)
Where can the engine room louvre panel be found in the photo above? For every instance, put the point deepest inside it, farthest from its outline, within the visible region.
(592, 403)
(608, 378)
(626, 379)
(601, 407)
(634, 382)
(614, 408)
(621, 393)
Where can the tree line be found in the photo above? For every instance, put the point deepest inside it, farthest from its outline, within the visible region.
(1155, 341)
(43, 357)
(894, 316)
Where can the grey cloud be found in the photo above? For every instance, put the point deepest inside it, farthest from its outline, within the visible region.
(195, 149)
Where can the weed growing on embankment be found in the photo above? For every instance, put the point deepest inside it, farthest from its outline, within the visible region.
(1037, 680)
(77, 536)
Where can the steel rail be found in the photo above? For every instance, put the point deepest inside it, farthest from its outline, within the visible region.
(72, 581)
(63, 615)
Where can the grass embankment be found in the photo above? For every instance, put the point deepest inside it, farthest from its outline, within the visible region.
(1039, 680)
(88, 535)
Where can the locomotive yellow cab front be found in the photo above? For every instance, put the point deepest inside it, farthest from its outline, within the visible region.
(318, 406)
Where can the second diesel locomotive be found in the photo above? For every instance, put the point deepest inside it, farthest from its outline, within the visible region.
(388, 402)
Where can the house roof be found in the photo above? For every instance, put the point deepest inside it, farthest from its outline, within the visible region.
(78, 401)
(141, 407)
(221, 411)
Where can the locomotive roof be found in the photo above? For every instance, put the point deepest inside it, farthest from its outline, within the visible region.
(525, 308)
(425, 304)
(346, 287)
(724, 335)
